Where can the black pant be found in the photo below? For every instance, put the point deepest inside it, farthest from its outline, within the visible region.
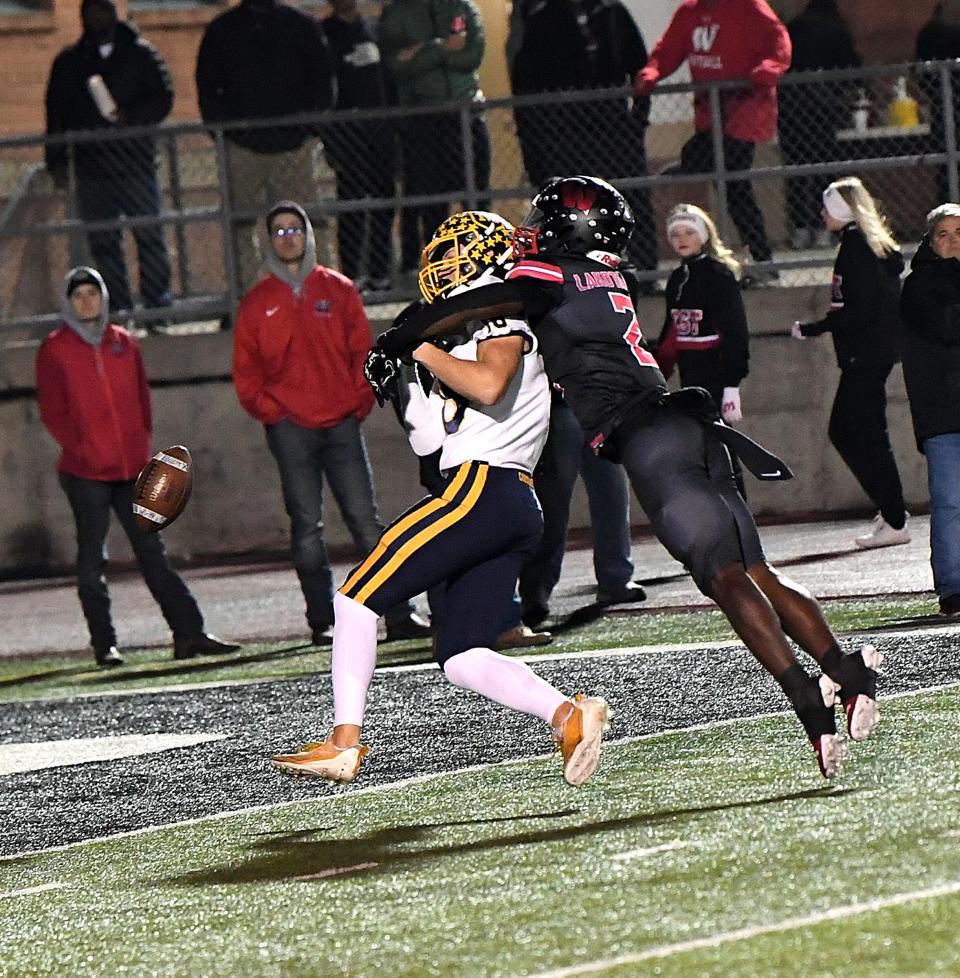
(135, 193)
(365, 165)
(433, 163)
(858, 431)
(599, 138)
(697, 157)
(91, 502)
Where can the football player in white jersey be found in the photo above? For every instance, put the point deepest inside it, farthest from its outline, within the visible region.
(487, 409)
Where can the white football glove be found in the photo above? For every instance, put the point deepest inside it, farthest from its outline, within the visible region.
(730, 408)
(795, 331)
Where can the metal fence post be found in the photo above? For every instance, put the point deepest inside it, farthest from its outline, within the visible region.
(719, 163)
(226, 221)
(176, 199)
(76, 244)
(949, 129)
(469, 164)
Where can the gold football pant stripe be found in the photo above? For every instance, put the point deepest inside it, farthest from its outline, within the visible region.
(405, 523)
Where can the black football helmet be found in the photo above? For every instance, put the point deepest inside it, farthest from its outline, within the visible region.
(575, 215)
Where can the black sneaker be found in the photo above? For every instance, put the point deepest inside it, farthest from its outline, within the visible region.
(950, 606)
(108, 658)
(624, 594)
(321, 635)
(190, 648)
(413, 626)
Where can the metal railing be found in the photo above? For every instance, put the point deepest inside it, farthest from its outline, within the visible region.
(176, 208)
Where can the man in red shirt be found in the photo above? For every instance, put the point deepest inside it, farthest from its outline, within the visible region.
(727, 40)
(301, 340)
(95, 401)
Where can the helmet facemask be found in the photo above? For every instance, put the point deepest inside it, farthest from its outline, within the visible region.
(464, 247)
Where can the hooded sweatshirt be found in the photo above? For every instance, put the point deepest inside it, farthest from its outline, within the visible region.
(727, 40)
(94, 397)
(300, 342)
(930, 309)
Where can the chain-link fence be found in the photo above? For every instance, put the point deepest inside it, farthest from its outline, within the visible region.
(172, 216)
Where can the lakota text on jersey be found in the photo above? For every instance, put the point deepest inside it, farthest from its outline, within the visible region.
(599, 280)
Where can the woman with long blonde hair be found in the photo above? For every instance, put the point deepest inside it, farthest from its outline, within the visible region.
(864, 322)
(704, 332)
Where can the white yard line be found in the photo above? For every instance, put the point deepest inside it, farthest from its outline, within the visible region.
(421, 779)
(652, 850)
(43, 755)
(747, 933)
(568, 656)
(335, 871)
(30, 890)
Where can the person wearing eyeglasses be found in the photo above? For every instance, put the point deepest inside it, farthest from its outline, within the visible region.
(300, 343)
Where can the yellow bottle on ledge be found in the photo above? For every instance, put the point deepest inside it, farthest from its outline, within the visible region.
(902, 111)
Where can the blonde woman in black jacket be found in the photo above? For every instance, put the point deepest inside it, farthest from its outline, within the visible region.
(864, 322)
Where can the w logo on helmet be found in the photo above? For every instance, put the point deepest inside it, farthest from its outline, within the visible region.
(578, 195)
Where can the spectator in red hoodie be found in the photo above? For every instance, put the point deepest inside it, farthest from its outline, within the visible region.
(727, 40)
(95, 401)
(301, 340)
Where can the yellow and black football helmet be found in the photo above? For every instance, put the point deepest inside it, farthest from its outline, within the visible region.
(462, 249)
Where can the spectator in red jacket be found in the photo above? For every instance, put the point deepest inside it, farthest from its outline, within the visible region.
(95, 401)
(727, 40)
(301, 340)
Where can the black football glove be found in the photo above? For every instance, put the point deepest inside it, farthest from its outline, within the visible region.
(381, 372)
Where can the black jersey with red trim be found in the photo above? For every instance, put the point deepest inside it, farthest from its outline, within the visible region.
(590, 338)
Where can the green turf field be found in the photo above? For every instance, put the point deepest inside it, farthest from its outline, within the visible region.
(712, 852)
(65, 675)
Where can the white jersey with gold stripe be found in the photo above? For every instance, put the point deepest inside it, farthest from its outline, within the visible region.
(510, 434)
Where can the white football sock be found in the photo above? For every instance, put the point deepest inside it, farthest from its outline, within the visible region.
(504, 680)
(354, 658)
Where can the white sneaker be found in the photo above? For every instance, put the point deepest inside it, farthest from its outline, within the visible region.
(882, 534)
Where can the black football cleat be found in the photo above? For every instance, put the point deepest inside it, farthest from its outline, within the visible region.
(858, 692)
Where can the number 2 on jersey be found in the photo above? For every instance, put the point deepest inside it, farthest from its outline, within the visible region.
(633, 335)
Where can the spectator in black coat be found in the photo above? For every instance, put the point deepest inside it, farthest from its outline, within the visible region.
(362, 153)
(864, 323)
(264, 60)
(930, 307)
(939, 40)
(811, 113)
(705, 333)
(114, 177)
(574, 46)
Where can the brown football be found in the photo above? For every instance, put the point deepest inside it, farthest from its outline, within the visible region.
(163, 488)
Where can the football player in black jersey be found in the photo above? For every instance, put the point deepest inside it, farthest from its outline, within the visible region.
(567, 281)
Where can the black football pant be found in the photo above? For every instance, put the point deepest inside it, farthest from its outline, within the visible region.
(682, 476)
(697, 157)
(91, 502)
(858, 431)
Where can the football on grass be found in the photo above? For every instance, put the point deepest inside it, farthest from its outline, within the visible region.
(163, 488)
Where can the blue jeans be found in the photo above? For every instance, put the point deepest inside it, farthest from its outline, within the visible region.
(91, 502)
(943, 474)
(305, 456)
(566, 455)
